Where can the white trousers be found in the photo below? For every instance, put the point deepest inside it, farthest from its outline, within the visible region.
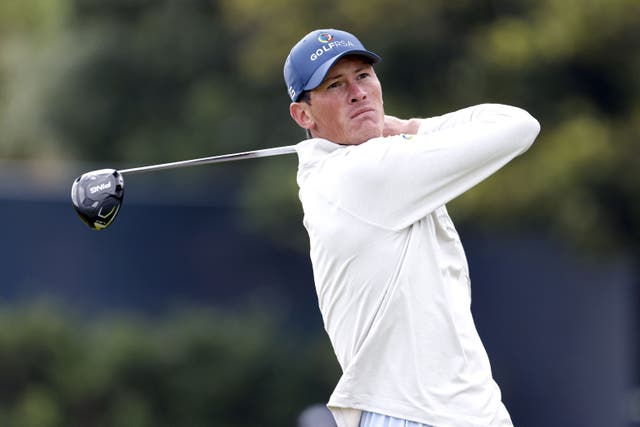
(371, 419)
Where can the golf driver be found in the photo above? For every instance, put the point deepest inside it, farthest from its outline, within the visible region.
(97, 195)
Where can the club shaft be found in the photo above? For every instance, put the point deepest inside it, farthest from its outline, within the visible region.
(277, 151)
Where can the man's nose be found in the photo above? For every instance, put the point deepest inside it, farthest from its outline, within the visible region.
(356, 93)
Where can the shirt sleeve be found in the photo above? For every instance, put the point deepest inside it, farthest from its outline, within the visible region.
(395, 181)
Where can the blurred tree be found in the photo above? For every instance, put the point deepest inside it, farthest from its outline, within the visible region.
(572, 64)
(155, 82)
(26, 31)
(34, 18)
(141, 81)
(192, 368)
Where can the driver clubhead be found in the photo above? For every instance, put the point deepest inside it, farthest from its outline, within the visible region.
(97, 196)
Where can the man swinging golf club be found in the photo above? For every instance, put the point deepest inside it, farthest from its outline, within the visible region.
(389, 269)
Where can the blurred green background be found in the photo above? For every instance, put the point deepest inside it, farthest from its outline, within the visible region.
(109, 83)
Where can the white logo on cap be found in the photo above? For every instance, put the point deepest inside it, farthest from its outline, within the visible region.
(327, 47)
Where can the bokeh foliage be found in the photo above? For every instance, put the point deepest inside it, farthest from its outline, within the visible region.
(140, 81)
(192, 368)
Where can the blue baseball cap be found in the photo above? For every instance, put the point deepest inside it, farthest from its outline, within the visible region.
(311, 58)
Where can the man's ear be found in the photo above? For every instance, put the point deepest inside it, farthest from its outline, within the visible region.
(300, 112)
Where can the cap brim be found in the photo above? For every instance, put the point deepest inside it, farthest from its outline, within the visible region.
(318, 76)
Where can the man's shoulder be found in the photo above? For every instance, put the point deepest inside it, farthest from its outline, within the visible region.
(312, 151)
(316, 147)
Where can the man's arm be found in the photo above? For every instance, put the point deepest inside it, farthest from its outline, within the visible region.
(393, 182)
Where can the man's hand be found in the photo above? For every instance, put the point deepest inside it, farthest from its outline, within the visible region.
(396, 126)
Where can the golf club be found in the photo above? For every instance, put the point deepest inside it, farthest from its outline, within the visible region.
(97, 195)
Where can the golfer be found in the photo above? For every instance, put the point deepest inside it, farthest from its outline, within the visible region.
(390, 272)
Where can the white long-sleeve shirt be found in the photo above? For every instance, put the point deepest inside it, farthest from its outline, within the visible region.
(390, 272)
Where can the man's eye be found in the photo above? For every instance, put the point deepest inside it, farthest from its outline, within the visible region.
(333, 85)
(363, 76)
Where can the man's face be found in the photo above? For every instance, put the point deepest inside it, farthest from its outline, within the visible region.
(347, 107)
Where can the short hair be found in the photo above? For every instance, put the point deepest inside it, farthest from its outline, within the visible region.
(305, 97)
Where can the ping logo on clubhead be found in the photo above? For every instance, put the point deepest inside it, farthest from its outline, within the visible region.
(101, 187)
